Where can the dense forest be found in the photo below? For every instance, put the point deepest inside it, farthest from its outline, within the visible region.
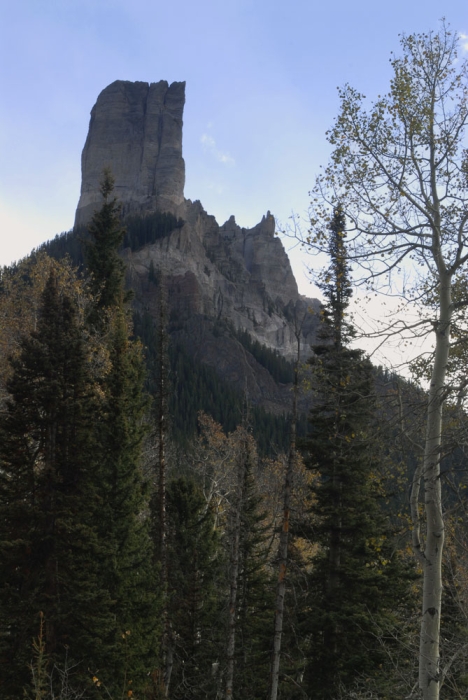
(195, 386)
(150, 514)
(161, 537)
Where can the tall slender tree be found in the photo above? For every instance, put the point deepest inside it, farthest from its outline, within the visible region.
(106, 235)
(130, 575)
(357, 580)
(250, 590)
(283, 549)
(400, 170)
(194, 585)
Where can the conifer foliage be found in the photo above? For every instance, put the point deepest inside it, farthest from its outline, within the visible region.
(74, 534)
(129, 574)
(194, 576)
(49, 504)
(356, 578)
(106, 267)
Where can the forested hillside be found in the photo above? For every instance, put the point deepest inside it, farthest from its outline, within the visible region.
(195, 385)
(144, 501)
(140, 534)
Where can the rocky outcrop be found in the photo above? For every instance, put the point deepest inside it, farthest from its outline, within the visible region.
(229, 273)
(213, 273)
(136, 130)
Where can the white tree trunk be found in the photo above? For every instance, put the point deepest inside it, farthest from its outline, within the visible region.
(431, 555)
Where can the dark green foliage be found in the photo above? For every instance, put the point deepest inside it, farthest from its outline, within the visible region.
(357, 582)
(74, 535)
(197, 387)
(50, 549)
(141, 231)
(280, 369)
(130, 577)
(336, 285)
(68, 244)
(194, 578)
(255, 597)
(104, 264)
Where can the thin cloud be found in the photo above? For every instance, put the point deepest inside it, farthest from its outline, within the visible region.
(209, 145)
(464, 41)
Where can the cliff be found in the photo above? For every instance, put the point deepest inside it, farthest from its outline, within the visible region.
(214, 273)
(136, 130)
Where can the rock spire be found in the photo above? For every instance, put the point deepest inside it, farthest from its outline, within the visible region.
(136, 130)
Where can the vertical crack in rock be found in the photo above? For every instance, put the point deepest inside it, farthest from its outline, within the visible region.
(142, 154)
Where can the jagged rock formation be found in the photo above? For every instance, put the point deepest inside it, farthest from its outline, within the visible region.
(213, 273)
(136, 130)
(228, 273)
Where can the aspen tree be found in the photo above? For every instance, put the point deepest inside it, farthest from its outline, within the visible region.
(400, 172)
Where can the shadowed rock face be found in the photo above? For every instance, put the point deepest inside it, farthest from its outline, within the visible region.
(136, 130)
(227, 273)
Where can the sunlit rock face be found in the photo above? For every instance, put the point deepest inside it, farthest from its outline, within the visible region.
(136, 130)
(214, 273)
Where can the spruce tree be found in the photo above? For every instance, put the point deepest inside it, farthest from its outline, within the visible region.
(357, 580)
(50, 549)
(106, 235)
(123, 524)
(255, 595)
(251, 597)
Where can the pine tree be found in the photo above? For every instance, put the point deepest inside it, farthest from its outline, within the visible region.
(159, 488)
(250, 588)
(50, 549)
(255, 595)
(129, 573)
(357, 580)
(105, 266)
(123, 523)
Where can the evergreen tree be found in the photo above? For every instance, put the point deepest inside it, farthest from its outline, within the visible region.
(159, 488)
(255, 596)
(194, 577)
(250, 588)
(357, 580)
(123, 522)
(50, 549)
(129, 573)
(104, 264)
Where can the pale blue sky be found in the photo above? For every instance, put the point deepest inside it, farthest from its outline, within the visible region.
(261, 93)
